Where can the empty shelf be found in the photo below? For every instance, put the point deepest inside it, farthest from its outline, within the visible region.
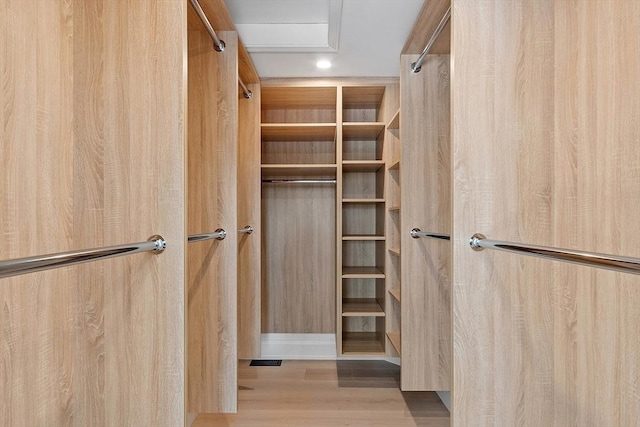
(362, 165)
(362, 343)
(363, 237)
(362, 273)
(305, 170)
(361, 307)
(394, 338)
(298, 132)
(362, 200)
(361, 130)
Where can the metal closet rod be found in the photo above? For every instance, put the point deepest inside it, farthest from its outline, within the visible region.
(479, 242)
(219, 234)
(14, 267)
(299, 181)
(218, 45)
(417, 66)
(416, 233)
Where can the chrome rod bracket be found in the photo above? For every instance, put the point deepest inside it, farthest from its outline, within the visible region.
(246, 230)
(474, 242)
(248, 94)
(221, 234)
(415, 67)
(160, 242)
(219, 47)
(416, 233)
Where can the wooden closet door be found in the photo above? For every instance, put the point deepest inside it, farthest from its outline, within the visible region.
(545, 151)
(92, 154)
(212, 379)
(426, 204)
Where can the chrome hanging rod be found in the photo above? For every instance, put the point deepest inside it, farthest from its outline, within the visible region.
(299, 181)
(245, 90)
(14, 267)
(247, 229)
(219, 234)
(416, 233)
(218, 44)
(417, 66)
(479, 242)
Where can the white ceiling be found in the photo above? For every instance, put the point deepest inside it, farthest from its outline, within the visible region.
(362, 38)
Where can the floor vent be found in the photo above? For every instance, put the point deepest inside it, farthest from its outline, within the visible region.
(265, 363)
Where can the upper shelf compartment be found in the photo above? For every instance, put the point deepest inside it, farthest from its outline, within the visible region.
(298, 104)
(362, 103)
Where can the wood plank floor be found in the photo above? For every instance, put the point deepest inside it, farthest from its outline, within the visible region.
(328, 393)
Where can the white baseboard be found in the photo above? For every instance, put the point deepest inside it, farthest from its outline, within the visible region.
(298, 346)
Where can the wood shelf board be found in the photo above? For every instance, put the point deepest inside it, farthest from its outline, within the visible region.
(362, 273)
(358, 131)
(362, 96)
(361, 307)
(395, 293)
(298, 97)
(303, 170)
(357, 237)
(362, 344)
(394, 338)
(362, 165)
(362, 200)
(395, 251)
(394, 209)
(298, 132)
(395, 165)
(394, 123)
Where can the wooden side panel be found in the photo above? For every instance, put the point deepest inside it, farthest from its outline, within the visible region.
(428, 19)
(426, 203)
(249, 279)
(92, 154)
(545, 134)
(298, 253)
(212, 204)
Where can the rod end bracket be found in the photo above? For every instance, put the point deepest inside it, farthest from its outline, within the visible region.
(160, 242)
(219, 47)
(474, 242)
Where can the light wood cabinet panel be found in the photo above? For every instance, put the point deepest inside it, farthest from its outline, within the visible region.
(92, 154)
(249, 278)
(545, 147)
(425, 174)
(212, 204)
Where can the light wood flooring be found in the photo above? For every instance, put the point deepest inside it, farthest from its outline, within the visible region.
(328, 393)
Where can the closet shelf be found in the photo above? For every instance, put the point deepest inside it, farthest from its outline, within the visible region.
(361, 307)
(363, 237)
(394, 338)
(362, 200)
(395, 165)
(357, 131)
(362, 273)
(298, 132)
(298, 97)
(394, 209)
(362, 165)
(395, 251)
(395, 293)
(302, 170)
(395, 121)
(362, 344)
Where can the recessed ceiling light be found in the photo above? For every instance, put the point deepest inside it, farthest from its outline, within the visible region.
(323, 64)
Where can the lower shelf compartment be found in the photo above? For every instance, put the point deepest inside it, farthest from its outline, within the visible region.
(362, 344)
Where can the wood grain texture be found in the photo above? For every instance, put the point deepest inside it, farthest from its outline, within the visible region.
(249, 277)
(428, 19)
(220, 19)
(83, 109)
(426, 204)
(298, 253)
(328, 393)
(212, 203)
(545, 98)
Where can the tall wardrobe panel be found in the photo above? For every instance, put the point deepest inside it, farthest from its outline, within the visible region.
(92, 155)
(212, 205)
(249, 278)
(426, 204)
(545, 136)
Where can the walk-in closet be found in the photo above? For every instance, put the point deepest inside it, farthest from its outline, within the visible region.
(319, 213)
